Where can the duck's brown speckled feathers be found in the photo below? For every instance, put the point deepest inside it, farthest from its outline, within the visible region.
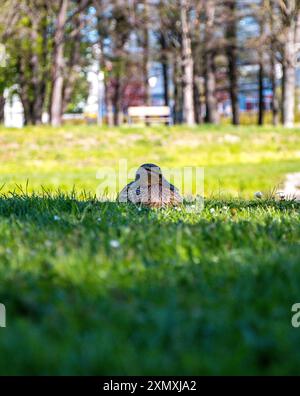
(157, 193)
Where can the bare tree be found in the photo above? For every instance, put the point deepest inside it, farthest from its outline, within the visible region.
(169, 38)
(260, 118)
(201, 46)
(58, 64)
(119, 34)
(165, 67)
(212, 115)
(290, 18)
(273, 50)
(231, 51)
(62, 85)
(187, 65)
(146, 50)
(261, 68)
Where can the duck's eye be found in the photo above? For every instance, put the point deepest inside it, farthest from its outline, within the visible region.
(138, 191)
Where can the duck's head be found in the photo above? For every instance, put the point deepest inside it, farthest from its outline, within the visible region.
(148, 174)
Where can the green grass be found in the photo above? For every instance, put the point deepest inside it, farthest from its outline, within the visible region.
(96, 287)
(104, 288)
(236, 161)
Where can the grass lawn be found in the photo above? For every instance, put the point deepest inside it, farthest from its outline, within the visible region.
(236, 161)
(96, 287)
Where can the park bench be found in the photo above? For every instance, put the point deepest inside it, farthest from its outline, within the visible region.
(149, 114)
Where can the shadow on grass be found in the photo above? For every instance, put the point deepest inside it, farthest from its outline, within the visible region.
(90, 287)
(47, 206)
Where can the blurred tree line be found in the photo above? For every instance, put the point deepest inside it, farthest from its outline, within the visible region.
(201, 46)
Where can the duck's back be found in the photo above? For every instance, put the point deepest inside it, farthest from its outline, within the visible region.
(159, 195)
(156, 195)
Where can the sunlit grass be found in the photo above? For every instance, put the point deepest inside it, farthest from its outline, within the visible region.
(95, 287)
(236, 160)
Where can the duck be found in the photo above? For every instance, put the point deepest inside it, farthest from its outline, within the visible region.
(150, 188)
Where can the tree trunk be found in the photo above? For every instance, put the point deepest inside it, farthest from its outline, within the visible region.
(147, 95)
(37, 83)
(165, 83)
(260, 76)
(109, 109)
(233, 88)
(73, 63)
(282, 93)
(2, 103)
(275, 102)
(188, 67)
(28, 109)
(289, 77)
(117, 101)
(164, 64)
(58, 65)
(197, 101)
(177, 83)
(260, 119)
(273, 80)
(211, 104)
(288, 100)
(24, 89)
(231, 50)
(109, 101)
(32, 76)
